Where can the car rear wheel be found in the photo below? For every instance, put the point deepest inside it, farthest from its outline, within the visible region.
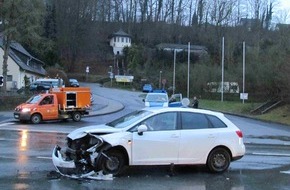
(76, 116)
(36, 118)
(113, 162)
(218, 160)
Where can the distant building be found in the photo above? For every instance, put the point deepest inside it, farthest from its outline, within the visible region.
(119, 40)
(249, 23)
(196, 49)
(21, 65)
(285, 27)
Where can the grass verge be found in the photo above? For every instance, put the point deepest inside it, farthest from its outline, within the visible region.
(278, 115)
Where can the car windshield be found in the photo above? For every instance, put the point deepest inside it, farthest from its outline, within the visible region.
(128, 119)
(156, 98)
(33, 99)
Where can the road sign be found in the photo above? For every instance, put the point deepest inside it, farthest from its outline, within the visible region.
(243, 96)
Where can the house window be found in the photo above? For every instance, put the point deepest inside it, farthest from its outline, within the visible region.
(9, 78)
(122, 39)
(115, 39)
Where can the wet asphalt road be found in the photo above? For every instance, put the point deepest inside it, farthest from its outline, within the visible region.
(26, 164)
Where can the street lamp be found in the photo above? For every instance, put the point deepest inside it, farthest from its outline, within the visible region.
(174, 63)
(160, 73)
(111, 74)
(87, 72)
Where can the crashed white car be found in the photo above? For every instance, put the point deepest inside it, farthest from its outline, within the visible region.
(152, 136)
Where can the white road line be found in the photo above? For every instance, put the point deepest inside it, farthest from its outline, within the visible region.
(39, 157)
(5, 124)
(285, 172)
(270, 154)
(44, 157)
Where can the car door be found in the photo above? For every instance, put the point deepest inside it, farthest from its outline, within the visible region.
(159, 145)
(48, 108)
(197, 138)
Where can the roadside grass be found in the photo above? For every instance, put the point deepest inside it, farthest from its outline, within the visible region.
(278, 115)
(228, 106)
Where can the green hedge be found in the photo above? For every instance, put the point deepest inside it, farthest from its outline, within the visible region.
(8, 102)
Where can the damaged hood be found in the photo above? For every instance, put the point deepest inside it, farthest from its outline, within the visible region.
(94, 129)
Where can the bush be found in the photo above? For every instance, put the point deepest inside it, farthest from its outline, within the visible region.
(10, 102)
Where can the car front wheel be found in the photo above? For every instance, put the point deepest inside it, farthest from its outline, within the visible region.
(36, 118)
(113, 162)
(218, 160)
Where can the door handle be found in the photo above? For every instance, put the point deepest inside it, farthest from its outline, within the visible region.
(174, 136)
(211, 136)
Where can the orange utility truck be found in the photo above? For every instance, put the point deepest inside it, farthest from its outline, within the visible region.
(56, 104)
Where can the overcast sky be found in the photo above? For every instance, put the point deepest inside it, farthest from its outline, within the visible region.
(284, 5)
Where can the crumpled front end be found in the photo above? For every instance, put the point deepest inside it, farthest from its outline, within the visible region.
(63, 166)
(79, 159)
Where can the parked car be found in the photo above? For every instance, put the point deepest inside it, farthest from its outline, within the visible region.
(147, 88)
(151, 136)
(45, 84)
(157, 98)
(175, 100)
(74, 83)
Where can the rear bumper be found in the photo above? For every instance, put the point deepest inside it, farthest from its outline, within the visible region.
(239, 151)
(237, 158)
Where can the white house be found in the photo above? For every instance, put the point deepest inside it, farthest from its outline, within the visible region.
(21, 65)
(119, 40)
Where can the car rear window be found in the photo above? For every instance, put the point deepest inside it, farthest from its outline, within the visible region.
(216, 122)
(194, 121)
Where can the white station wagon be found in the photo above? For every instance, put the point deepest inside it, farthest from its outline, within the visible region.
(152, 136)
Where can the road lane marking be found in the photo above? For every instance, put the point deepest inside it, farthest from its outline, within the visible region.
(4, 124)
(270, 154)
(44, 157)
(285, 172)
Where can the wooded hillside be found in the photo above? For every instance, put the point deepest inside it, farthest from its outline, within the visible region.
(75, 35)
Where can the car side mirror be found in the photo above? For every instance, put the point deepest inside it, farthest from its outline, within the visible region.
(141, 129)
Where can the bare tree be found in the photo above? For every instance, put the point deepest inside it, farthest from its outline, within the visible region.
(172, 9)
(143, 9)
(179, 13)
(200, 11)
(159, 8)
(220, 11)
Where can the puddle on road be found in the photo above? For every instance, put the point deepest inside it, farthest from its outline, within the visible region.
(39, 140)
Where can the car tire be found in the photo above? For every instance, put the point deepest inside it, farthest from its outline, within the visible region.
(76, 116)
(114, 162)
(218, 160)
(35, 118)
